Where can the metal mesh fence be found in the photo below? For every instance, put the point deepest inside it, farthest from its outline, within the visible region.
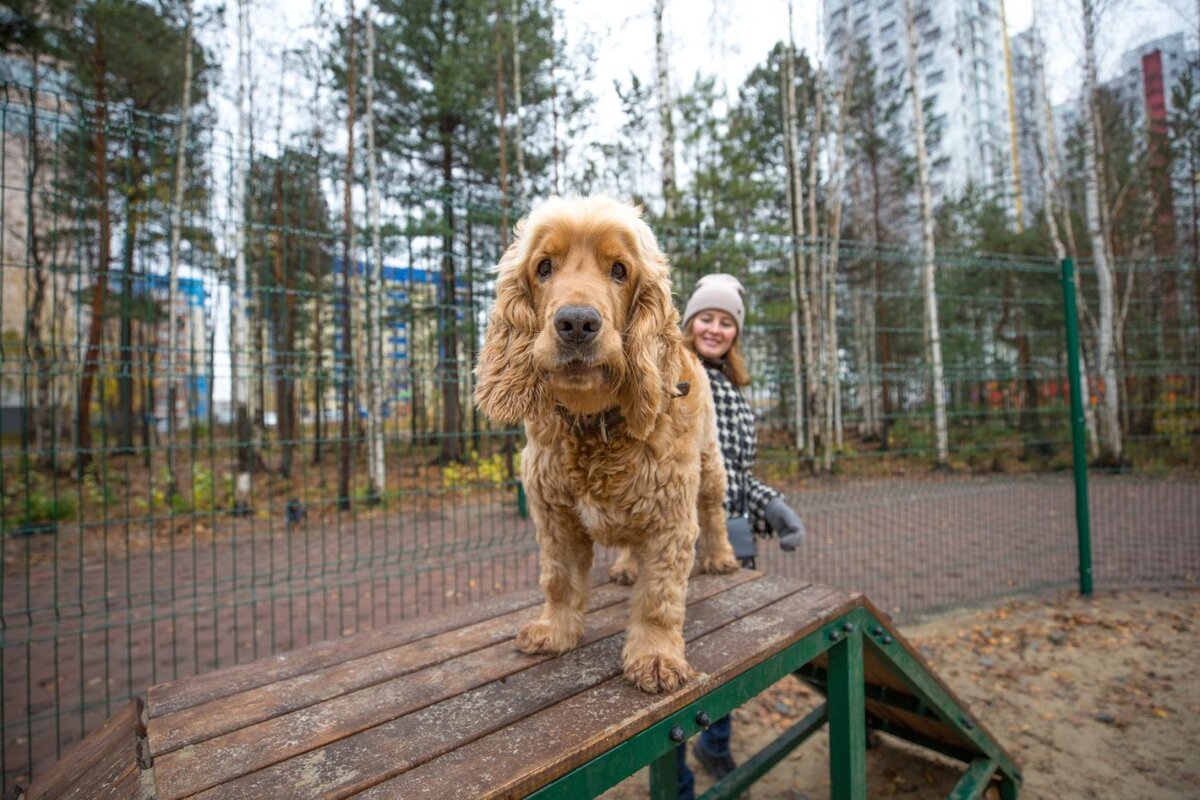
(112, 581)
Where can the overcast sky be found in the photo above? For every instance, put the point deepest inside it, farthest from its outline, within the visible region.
(727, 38)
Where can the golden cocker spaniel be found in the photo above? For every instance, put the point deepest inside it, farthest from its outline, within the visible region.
(583, 346)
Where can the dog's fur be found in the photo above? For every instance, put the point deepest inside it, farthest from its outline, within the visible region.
(619, 451)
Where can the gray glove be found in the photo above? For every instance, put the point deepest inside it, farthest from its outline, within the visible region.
(785, 523)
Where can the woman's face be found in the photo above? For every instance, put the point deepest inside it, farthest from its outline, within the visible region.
(713, 333)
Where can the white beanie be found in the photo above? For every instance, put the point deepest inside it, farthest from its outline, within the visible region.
(720, 291)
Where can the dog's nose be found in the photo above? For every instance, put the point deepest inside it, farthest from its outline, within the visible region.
(577, 324)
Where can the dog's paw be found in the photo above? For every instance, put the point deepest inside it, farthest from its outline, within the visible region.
(719, 565)
(658, 673)
(540, 636)
(623, 574)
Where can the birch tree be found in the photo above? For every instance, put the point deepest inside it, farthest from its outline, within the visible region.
(1046, 153)
(238, 324)
(833, 436)
(881, 169)
(173, 275)
(665, 115)
(377, 467)
(501, 125)
(801, 313)
(348, 262)
(928, 266)
(812, 265)
(518, 105)
(555, 148)
(1110, 422)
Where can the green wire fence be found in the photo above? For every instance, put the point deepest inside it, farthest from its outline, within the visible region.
(138, 559)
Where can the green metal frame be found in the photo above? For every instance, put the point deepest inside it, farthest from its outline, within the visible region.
(844, 640)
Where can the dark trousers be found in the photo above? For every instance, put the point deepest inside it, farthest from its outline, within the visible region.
(715, 741)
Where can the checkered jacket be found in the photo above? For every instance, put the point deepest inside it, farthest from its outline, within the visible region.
(745, 494)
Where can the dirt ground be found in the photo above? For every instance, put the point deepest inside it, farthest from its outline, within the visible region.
(1093, 698)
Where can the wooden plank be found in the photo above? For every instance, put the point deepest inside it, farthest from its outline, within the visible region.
(223, 715)
(226, 757)
(172, 696)
(100, 765)
(515, 761)
(358, 762)
(929, 728)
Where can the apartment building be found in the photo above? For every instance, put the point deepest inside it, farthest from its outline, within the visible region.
(961, 64)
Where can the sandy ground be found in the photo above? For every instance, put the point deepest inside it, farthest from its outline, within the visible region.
(1093, 698)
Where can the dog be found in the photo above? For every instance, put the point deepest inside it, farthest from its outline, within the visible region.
(583, 346)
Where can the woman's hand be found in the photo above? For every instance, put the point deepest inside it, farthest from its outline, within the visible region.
(786, 524)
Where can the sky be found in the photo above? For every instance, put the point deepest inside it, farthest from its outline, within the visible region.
(725, 38)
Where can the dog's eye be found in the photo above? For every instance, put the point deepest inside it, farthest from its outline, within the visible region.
(544, 268)
(618, 272)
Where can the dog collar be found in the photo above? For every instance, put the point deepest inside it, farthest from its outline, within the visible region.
(591, 423)
(609, 418)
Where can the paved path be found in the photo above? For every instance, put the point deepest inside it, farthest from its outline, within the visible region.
(88, 624)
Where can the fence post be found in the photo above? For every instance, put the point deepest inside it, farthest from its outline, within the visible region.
(1078, 443)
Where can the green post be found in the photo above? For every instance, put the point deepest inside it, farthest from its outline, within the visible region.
(847, 716)
(664, 780)
(1078, 443)
(522, 503)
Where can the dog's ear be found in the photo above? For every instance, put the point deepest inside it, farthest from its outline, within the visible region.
(507, 388)
(653, 347)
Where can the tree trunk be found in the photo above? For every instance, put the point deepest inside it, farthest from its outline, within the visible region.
(284, 334)
(239, 328)
(833, 411)
(801, 314)
(318, 376)
(125, 357)
(555, 153)
(1110, 426)
(173, 277)
(375, 373)
(1047, 155)
(501, 127)
(319, 271)
(451, 446)
(879, 318)
(42, 409)
(348, 265)
(518, 111)
(928, 267)
(811, 306)
(100, 287)
(666, 117)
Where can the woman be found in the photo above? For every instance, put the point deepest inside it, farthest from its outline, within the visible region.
(712, 324)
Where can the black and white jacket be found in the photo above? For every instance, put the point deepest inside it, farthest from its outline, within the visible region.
(745, 495)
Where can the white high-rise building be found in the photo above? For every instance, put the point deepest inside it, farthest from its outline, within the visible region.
(961, 62)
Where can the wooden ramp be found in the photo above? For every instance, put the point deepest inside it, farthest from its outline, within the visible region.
(448, 708)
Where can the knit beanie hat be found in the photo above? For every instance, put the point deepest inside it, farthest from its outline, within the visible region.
(720, 291)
